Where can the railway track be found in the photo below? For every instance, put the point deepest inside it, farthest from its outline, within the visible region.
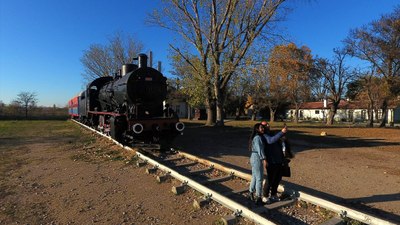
(229, 188)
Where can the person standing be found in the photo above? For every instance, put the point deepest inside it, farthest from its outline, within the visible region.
(275, 158)
(258, 159)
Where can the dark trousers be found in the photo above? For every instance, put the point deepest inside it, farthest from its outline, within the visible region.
(274, 177)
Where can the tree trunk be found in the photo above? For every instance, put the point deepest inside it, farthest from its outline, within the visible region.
(220, 100)
(237, 113)
(210, 117)
(210, 106)
(296, 115)
(370, 111)
(26, 111)
(330, 117)
(253, 116)
(272, 114)
(370, 118)
(189, 115)
(332, 113)
(220, 115)
(384, 114)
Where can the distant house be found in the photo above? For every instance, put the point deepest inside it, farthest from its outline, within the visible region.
(180, 107)
(350, 111)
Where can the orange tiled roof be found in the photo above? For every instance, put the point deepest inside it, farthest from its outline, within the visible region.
(342, 105)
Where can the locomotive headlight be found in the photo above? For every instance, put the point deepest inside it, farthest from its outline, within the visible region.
(137, 128)
(179, 126)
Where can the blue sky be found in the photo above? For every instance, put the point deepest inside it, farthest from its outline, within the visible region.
(42, 41)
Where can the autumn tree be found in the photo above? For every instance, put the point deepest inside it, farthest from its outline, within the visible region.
(26, 100)
(221, 32)
(379, 44)
(289, 74)
(102, 60)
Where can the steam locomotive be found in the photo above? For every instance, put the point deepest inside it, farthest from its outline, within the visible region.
(129, 106)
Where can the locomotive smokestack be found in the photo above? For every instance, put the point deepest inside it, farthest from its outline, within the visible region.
(159, 66)
(151, 59)
(142, 61)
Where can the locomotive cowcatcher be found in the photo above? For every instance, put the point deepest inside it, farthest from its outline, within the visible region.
(128, 106)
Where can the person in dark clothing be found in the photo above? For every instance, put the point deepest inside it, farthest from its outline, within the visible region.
(275, 159)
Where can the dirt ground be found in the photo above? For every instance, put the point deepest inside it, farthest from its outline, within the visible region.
(52, 175)
(56, 173)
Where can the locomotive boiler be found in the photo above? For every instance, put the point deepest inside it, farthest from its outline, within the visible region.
(129, 106)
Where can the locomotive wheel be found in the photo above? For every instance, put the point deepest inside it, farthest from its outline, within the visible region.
(118, 126)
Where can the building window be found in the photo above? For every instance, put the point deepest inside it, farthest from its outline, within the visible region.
(316, 111)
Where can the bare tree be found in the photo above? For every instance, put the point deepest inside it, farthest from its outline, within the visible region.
(379, 44)
(26, 100)
(374, 91)
(318, 84)
(222, 32)
(104, 60)
(336, 75)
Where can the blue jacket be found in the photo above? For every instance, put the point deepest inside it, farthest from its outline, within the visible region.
(257, 147)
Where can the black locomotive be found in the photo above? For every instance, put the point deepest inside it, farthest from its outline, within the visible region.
(128, 106)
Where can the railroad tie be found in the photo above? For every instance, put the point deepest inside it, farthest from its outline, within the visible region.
(275, 205)
(216, 180)
(199, 171)
(240, 191)
(184, 164)
(173, 159)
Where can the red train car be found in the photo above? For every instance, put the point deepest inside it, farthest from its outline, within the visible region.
(73, 107)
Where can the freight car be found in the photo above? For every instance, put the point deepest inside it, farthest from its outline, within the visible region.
(129, 106)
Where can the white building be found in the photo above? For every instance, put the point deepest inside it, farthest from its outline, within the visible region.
(350, 111)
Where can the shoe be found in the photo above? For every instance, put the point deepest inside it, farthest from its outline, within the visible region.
(273, 199)
(258, 201)
(251, 196)
(264, 200)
